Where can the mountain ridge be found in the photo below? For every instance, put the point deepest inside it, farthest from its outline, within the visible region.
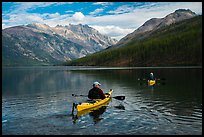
(154, 24)
(57, 44)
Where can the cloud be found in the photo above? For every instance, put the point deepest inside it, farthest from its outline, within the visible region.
(96, 11)
(21, 19)
(3, 25)
(113, 31)
(128, 20)
(58, 20)
(122, 9)
(68, 11)
(55, 15)
(78, 16)
(102, 3)
(25, 6)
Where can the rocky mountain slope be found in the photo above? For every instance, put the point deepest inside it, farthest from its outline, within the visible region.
(156, 23)
(40, 44)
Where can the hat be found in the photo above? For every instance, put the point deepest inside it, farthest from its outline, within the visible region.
(96, 83)
(151, 73)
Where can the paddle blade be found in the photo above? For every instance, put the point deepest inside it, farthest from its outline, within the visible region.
(160, 79)
(119, 97)
(73, 95)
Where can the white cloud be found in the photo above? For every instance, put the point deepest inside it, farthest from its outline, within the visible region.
(59, 20)
(122, 9)
(55, 15)
(128, 20)
(78, 16)
(68, 11)
(24, 6)
(113, 31)
(20, 19)
(96, 11)
(102, 3)
(3, 26)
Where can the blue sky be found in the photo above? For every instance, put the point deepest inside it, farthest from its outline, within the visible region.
(115, 19)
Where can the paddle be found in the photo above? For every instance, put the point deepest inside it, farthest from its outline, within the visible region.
(79, 95)
(155, 79)
(119, 97)
(160, 79)
(115, 97)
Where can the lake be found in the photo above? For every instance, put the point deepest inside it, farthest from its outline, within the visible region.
(38, 101)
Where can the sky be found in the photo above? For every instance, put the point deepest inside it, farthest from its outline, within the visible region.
(114, 19)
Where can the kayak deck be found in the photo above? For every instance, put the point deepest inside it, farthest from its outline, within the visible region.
(97, 104)
(151, 82)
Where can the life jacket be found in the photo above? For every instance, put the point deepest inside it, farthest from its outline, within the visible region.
(151, 77)
(94, 93)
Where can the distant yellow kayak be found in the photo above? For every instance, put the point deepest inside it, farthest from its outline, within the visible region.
(151, 82)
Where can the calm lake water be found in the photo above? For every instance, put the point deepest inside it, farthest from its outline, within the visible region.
(37, 100)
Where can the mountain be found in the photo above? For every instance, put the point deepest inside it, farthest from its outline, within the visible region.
(40, 44)
(178, 44)
(80, 34)
(156, 23)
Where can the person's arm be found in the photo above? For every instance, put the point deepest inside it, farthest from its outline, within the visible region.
(102, 94)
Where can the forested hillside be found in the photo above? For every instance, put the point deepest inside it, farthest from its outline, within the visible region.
(179, 44)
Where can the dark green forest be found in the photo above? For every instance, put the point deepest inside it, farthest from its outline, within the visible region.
(179, 44)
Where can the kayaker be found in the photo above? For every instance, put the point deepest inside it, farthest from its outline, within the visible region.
(151, 76)
(96, 92)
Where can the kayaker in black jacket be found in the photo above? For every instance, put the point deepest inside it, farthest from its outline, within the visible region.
(96, 92)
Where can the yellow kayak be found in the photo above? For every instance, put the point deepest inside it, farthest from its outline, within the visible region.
(97, 104)
(151, 82)
(85, 111)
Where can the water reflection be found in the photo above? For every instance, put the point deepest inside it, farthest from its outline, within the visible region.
(120, 106)
(97, 113)
(151, 87)
(25, 82)
(94, 114)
